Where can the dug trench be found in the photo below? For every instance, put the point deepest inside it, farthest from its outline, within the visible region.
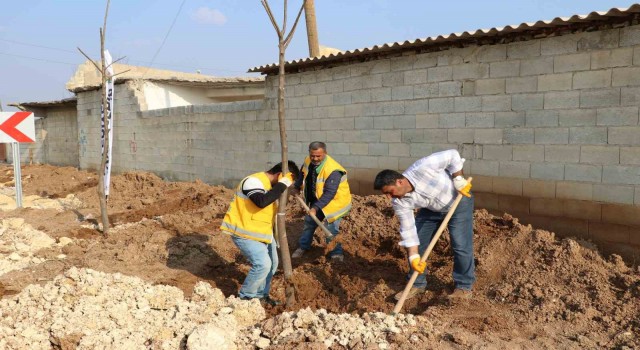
(530, 283)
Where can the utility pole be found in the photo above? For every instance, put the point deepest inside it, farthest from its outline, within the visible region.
(312, 28)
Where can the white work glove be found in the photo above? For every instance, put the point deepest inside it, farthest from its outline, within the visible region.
(462, 185)
(286, 180)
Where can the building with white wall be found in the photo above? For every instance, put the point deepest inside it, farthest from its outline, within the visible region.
(167, 89)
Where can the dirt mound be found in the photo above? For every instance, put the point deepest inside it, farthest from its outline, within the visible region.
(567, 280)
(53, 182)
(533, 290)
(138, 195)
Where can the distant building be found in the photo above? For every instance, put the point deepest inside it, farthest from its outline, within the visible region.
(56, 133)
(61, 138)
(165, 89)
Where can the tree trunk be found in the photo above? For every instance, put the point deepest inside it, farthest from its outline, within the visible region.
(105, 119)
(282, 207)
(283, 42)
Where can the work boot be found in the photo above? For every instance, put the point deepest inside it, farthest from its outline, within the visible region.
(412, 293)
(337, 258)
(298, 253)
(271, 302)
(460, 294)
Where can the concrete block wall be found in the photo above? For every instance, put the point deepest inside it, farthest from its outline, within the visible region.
(549, 127)
(30, 153)
(56, 139)
(218, 144)
(554, 117)
(59, 134)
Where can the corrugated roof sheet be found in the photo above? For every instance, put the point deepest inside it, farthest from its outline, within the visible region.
(71, 101)
(453, 37)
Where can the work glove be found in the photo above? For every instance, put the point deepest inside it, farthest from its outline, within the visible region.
(287, 180)
(416, 264)
(462, 185)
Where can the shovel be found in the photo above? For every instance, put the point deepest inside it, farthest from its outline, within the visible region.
(424, 257)
(308, 210)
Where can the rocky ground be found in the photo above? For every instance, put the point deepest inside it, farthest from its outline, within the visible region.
(165, 278)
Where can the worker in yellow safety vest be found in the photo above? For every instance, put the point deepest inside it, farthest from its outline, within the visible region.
(250, 221)
(325, 189)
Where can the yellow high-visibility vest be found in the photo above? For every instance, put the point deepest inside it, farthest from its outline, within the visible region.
(247, 220)
(341, 203)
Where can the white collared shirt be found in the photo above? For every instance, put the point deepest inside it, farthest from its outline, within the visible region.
(433, 190)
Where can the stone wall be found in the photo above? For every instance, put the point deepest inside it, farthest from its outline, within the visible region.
(56, 138)
(218, 143)
(60, 137)
(549, 127)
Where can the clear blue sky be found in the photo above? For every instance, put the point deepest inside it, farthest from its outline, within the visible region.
(38, 38)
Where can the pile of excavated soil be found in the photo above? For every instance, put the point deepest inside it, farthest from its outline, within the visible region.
(18, 242)
(87, 309)
(533, 289)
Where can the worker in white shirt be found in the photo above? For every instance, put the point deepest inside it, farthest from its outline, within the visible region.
(431, 185)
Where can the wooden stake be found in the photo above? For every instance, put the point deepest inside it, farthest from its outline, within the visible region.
(103, 73)
(283, 42)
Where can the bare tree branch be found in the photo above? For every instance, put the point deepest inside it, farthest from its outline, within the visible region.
(102, 59)
(90, 60)
(265, 4)
(295, 24)
(124, 71)
(103, 30)
(116, 61)
(284, 21)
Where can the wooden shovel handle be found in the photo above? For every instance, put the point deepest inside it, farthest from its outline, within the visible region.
(432, 244)
(304, 205)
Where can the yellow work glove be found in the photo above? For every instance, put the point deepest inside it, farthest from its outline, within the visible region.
(462, 185)
(416, 264)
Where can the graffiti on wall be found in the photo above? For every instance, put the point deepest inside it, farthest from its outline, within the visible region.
(83, 142)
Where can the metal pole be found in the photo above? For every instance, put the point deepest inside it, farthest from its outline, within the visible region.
(17, 175)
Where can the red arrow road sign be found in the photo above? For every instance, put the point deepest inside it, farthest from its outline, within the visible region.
(9, 127)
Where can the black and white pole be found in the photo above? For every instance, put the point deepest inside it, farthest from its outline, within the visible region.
(17, 173)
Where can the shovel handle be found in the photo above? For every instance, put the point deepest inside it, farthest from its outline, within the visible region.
(306, 208)
(424, 257)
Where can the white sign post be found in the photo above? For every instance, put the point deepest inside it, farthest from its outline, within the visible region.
(110, 92)
(16, 128)
(17, 173)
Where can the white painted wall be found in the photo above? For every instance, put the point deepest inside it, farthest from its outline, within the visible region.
(161, 96)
